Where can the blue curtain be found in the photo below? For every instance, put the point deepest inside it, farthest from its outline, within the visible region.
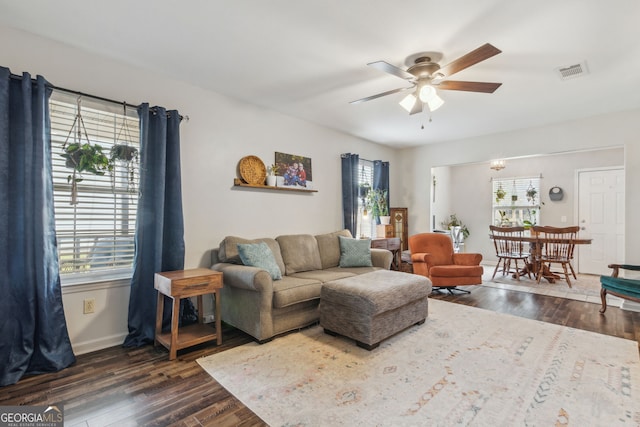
(33, 331)
(159, 237)
(381, 178)
(350, 164)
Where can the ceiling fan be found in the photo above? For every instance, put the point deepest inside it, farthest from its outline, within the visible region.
(425, 75)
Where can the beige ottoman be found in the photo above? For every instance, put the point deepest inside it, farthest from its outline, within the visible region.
(373, 306)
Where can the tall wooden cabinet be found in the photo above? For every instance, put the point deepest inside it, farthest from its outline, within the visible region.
(399, 218)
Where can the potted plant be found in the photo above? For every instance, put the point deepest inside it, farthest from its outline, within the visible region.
(455, 222)
(363, 190)
(272, 172)
(532, 193)
(377, 203)
(123, 153)
(127, 155)
(84, 158)
(500, 193)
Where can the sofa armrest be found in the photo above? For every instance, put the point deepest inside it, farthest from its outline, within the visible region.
(245, 277)
(467, 259)
(615, 268)
(381, 258)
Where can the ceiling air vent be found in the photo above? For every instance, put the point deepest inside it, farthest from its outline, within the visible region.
(573, 71)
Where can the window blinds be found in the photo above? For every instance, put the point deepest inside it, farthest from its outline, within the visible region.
(95, 236)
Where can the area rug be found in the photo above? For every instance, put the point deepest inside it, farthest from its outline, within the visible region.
(463, 367)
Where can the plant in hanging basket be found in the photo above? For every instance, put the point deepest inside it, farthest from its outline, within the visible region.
(123, 153)
(85, 158)
(500, 193)
(363, 189)
(377, 202)
(532, 193)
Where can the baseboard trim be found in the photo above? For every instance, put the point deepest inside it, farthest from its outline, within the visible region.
(98, 344)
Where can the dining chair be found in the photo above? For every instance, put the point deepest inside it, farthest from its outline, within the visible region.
(555, 245)
(509, 247)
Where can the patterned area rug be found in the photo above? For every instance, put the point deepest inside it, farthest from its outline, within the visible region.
(463, 366)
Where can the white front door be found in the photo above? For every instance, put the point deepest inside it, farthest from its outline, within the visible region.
(601, 218)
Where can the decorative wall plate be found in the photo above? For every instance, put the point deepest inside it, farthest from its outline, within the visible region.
(556, 193)
(252, 170)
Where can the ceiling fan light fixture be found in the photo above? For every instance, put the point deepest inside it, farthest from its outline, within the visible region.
(408, 102)
(429, 96)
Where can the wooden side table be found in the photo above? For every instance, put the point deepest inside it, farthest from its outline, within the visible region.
(184, 284)
(392, 244)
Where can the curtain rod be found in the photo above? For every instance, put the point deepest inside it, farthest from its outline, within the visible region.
(100, 98)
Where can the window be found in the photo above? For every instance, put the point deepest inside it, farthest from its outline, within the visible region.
(96, 235)
(365, 181)
(516, 201)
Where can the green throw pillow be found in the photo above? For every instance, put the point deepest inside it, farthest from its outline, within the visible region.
(355, 252)
(259, 255)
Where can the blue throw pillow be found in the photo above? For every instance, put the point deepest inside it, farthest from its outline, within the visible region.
(355, 252)
(259, 255)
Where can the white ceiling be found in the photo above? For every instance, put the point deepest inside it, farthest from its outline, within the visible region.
(308, 58)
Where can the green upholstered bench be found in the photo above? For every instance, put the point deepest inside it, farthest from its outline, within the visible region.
(623, 288)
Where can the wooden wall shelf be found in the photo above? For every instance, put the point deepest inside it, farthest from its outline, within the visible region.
(238, 183)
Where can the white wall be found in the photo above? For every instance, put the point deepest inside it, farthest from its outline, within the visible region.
(607, 131)
(471, 199)
(219, 133)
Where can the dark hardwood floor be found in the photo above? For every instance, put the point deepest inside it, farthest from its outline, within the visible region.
(141, 387)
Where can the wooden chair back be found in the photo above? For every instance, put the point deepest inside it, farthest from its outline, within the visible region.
(558, 242)
(508, 241)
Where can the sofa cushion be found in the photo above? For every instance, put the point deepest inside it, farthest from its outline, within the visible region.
(354, 252)
(292, 290)
(329, 248)
(228, 250)
(299, 253)
(259, 255)
(334, 273)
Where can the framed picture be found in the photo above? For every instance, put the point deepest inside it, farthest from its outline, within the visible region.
(294, 171)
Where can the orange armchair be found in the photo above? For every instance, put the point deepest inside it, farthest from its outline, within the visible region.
(432, 256)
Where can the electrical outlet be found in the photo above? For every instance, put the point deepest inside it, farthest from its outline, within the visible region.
(209, 318)
(89, 306)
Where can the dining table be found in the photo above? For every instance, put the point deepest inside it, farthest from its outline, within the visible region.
(536, 243)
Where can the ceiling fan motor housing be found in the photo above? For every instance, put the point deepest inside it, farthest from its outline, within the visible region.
(423, 68)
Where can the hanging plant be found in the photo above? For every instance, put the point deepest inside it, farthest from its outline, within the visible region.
(500, 193)
(125, 154)
(363, 190)
(85, 157)
(532, 193)
(377, 202)
(82, 157)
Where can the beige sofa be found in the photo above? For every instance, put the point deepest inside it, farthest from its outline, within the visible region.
(262, 307)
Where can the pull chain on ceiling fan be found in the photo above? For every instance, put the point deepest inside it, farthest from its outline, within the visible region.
(426, 75)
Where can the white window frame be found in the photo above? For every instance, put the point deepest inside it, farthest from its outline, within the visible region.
(515, 205)
(96, 236)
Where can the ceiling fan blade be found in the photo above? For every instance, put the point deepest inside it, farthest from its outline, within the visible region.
(468, 86)
(485, 51)
(391, 69)
(379, 95)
